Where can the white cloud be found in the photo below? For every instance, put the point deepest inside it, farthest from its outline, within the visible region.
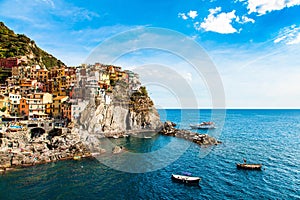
(295, 40)
(218, 22)
(187, 76)
(50, 2)
(183, 16)
(244, 20)
(214, 11)
(289, 35)
(192, 14)
(40, 13)
(270, 81)
(264, 6)
(279, 39)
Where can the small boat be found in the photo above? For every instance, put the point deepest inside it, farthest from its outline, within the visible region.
(14, 128)
(76, 157)
(147, 137)
(203, 125)
(186, 179)
(115, 137)
(249, 166)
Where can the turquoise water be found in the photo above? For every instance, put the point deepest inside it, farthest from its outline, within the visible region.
(271, 137)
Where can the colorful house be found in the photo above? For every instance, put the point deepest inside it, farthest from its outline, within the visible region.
(14, 103)
(4, 103)
(37, 103)
(66, 110)
(24, 107)
(57, 106)
(42, 75)
(104, 79)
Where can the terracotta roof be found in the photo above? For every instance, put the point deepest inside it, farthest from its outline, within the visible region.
(59, 97)
(25, 85)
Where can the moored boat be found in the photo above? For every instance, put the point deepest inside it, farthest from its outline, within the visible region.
(186, 179)
(249, 166)
(14, 128)
(203, 125)
(76, 157)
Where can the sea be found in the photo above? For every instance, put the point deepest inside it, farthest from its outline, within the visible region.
(269, 137)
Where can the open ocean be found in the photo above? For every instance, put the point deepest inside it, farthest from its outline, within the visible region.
(270, 137)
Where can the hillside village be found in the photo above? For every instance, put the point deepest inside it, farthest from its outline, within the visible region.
(32, 92)
(61, 113)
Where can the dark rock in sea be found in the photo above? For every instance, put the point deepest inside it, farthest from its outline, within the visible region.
(201, 139)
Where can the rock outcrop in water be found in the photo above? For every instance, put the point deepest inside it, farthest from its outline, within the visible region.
(201, 139)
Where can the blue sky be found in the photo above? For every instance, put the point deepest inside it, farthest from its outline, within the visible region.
(254, 44)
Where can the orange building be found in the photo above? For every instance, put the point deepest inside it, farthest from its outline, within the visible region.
(66, 110)
(26, 88)
(24, 107)
(42, 75)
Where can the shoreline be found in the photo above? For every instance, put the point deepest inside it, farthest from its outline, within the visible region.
(70, 146)
(3, 171)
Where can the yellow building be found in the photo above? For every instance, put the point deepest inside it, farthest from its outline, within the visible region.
(104, 79)
(57, 105)
(4, 103)
(34, 71)
(42, 75)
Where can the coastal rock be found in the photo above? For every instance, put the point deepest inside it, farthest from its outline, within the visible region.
(117, 150)
(17, 150)
(128, 113)
(200, 139)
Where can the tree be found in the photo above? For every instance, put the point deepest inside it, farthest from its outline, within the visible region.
(144, 91)
(3, 109)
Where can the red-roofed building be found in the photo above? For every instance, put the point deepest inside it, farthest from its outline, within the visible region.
(9, 63)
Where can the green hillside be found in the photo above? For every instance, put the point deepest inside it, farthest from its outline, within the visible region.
(15, 45)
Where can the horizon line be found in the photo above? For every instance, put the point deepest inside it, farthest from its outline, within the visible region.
(233, 108)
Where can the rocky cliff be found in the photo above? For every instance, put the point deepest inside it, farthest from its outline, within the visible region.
(128, 113)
